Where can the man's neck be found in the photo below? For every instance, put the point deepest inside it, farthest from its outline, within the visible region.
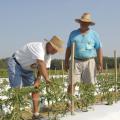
(84, 30)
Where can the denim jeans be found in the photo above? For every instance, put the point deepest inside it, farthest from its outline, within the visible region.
(19, 76)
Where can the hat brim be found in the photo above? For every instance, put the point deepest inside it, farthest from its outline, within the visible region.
(56, 48)
(78, 21)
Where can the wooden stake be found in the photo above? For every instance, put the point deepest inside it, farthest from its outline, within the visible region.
(63, 74)
(106, 67)
(72, 76)
(119, 67)
(115, 58)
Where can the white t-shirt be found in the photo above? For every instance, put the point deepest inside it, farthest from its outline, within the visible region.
(30, 52)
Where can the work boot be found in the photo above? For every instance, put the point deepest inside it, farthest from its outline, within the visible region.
(36, 117)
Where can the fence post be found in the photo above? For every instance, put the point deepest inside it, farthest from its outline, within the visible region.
(119, 67)
(115, 58)
(72, 76)
(63, 74)
(106, 67)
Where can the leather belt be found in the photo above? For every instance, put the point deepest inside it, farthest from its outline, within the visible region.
(15, 59)
(83, 59)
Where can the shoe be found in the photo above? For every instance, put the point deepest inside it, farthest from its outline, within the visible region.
(36, 117)
(39, 117)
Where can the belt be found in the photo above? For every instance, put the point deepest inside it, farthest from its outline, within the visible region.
(15, 59)
(83, 59)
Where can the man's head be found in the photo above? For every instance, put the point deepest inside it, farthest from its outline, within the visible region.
(85, 20)
(54, 45)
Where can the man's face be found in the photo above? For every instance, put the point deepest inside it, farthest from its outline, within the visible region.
(50, 49)
(84, 24)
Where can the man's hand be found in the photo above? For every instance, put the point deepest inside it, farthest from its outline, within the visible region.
(100, 67)
(66, 67)
(100, 60)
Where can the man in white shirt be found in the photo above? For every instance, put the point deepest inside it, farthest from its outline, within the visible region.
(33, 55)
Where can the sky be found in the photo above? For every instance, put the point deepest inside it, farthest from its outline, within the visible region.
(23, 21)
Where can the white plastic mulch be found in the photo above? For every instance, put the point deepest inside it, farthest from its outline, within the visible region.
(98, 112)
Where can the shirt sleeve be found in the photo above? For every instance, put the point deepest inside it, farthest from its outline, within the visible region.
(98, 43)
(72, 36)
(69, 43)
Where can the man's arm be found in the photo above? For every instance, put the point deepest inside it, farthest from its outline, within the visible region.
(42, 70)
(100, 59)
(67, 56)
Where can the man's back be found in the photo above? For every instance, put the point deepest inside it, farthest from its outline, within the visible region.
(28, 54)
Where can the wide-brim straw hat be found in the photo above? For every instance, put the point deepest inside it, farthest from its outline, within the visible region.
(57, 43)
(86, 17)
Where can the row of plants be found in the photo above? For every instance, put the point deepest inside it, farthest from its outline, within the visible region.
(56, 98)
(4, 73)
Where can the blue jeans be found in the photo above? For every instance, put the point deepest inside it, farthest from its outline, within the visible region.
(19, 76)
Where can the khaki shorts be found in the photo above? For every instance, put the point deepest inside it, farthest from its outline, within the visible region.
(84, 71)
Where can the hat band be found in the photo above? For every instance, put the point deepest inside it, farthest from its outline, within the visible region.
(55, 47)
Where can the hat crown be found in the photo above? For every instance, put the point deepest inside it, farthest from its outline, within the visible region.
(86, 16)
(57, 43)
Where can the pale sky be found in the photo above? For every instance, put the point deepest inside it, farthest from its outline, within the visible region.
(23, 21)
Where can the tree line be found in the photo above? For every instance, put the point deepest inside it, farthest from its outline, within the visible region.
(57, 63)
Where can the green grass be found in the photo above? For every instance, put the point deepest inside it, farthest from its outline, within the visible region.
(57, 72)
(3, 73)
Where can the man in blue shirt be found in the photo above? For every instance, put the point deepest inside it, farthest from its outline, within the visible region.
(87, 47)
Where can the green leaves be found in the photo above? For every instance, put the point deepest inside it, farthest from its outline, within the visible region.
(87, 96)
(56, 97)
(106, 86)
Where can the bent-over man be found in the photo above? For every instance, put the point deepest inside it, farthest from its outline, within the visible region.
(30, 56)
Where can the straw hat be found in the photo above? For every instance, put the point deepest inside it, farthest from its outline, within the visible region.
(86, 17)
(57, 43)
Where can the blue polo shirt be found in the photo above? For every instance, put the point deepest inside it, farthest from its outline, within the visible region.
(85, 45)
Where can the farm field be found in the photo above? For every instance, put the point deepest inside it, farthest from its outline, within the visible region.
(59, 60)
(101, 100)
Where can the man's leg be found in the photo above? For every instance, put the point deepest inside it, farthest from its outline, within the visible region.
(35, 99)
(76, 78)
(89, 72)
(28, 80)
(14, 72)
